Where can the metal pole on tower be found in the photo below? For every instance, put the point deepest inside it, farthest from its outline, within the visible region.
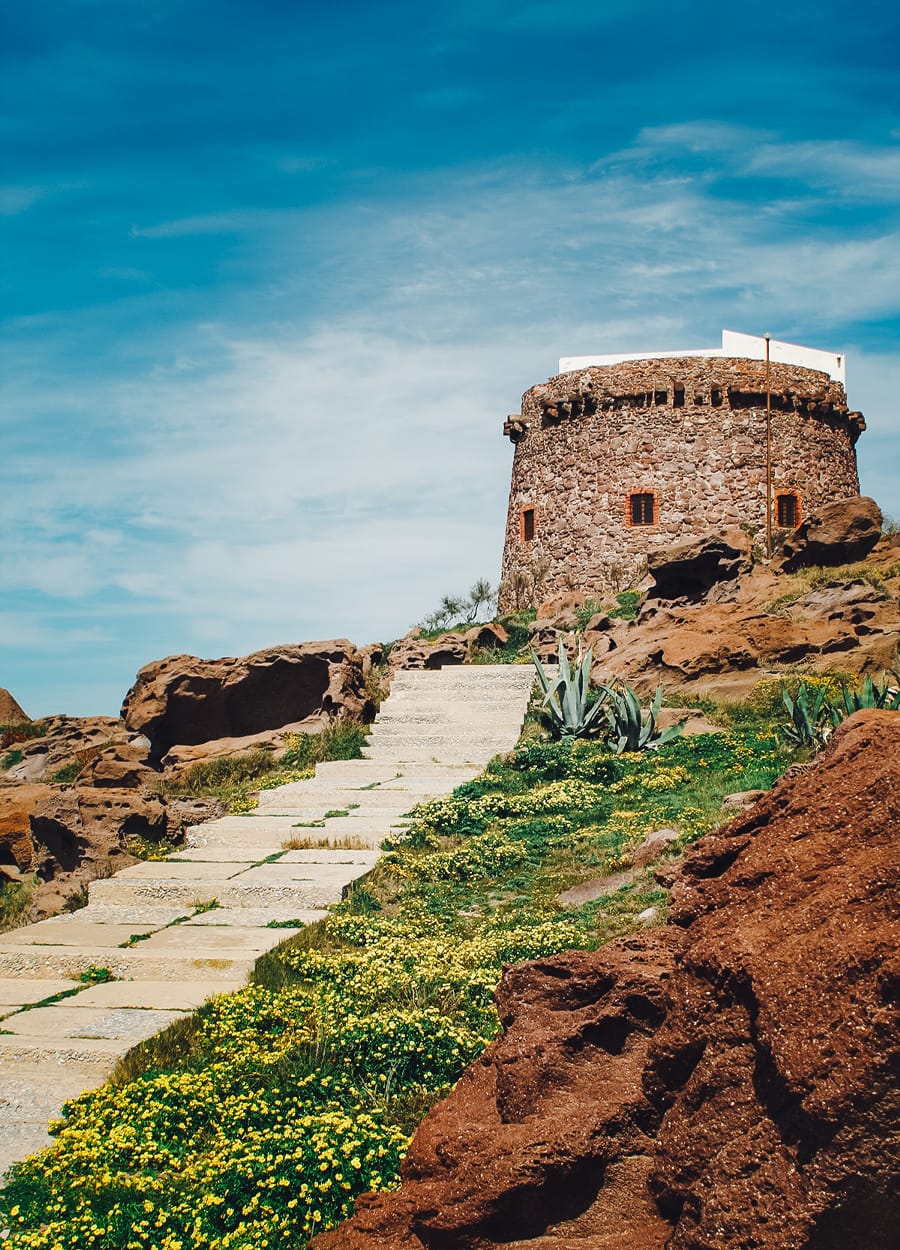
(768, 453)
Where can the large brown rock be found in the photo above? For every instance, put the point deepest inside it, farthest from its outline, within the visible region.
(839, 533)
(10, 712)
(183, 700)
(417, 651)
(689, 569)
(120, 766)
(17, 802)
(725, 1083)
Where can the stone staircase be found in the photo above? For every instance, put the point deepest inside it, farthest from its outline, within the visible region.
(174, 932)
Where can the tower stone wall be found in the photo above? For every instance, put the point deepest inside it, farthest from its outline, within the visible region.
(614, 461)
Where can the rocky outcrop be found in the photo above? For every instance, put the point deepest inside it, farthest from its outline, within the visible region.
(690, 569)
(67, 742)
(417, 651)
(10, 712)
(839, 533)
(751, 628)
(725, 1083)
(183, 700)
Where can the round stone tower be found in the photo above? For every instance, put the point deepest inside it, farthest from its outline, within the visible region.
(616, 456)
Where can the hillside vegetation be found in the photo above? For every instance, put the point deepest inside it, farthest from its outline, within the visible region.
(257, 1122)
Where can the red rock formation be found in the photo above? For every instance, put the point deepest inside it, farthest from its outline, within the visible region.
(183, 700)
(10, 712)
(839, 533)
(725, 1083)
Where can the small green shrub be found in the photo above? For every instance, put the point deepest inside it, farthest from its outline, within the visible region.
(464, 609)
(67, 774)
(76, 900)
(629, 728)
(95, 976)
(15, 899)
(9, 759)
(568, 701)
(21, 731)
(629, 601)
(343, 740)
(811, 717)
(869, 695)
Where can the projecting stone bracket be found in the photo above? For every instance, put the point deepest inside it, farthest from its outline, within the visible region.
(514, 427)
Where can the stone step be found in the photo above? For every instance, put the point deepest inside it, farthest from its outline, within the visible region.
(68, 962)
(364, 773)
(231, 885)
(413, 754)
(415, 714)
(93, 1058)
(60, 1024)
(233, 854)
(466, 674)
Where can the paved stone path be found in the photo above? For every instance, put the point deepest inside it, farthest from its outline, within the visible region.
(174, 932)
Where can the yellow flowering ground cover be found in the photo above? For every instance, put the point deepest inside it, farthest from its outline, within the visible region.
(260, 1124)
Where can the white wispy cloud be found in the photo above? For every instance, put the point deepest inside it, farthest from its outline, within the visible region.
(339, 467)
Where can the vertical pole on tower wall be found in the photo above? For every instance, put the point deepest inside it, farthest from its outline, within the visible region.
(768, 454)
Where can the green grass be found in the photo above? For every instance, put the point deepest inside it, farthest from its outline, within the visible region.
(21, 732)
(626, 608)
(235, 779)
(66, 775)
(15, 899)
(259, 1118)
(10, 758)
(805, 580)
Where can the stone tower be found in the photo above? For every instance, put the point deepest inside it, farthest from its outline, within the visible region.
(618, 455)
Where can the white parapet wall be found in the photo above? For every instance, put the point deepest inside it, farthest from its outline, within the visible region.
(734, 344)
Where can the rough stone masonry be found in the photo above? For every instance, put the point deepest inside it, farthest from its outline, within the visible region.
(614, 461)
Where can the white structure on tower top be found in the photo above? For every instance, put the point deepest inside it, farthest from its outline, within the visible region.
(734, 344)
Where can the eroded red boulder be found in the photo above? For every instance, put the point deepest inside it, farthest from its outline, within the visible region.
(839, 533)
(183, 700)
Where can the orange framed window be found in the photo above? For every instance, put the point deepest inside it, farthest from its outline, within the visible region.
(787, 509)
(642, 508)
(528, 524)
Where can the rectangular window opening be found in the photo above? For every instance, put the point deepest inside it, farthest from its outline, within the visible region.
(678, 397)
(528, 525)
(787, 511)
(642, 508)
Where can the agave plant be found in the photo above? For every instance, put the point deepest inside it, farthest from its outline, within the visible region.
(811, 717)
(628, 728)
(868, 695)
(566, 695)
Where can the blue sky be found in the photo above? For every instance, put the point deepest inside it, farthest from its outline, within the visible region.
(272, 274)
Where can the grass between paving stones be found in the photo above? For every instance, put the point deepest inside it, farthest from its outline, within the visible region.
(258, 1120)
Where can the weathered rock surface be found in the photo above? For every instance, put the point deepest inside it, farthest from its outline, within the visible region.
(416, 651)
(68, 740)
(838, 533)
(725, 1083)
(183, 700)
(768, 621)
(689, 569)
(484, 638)
(121, 765)
(10, 712)
(17, 802)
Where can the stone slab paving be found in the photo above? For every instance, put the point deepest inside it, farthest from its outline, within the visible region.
(151, 926)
